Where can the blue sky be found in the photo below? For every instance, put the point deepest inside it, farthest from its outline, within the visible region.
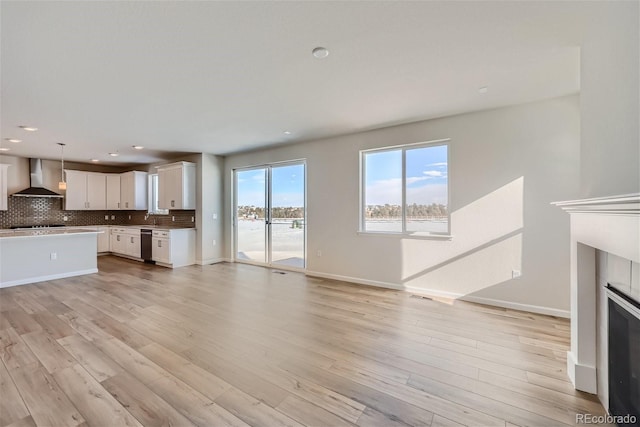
(288, 186)
(427, 174)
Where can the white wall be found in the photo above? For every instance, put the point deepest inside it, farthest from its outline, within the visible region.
(209, 202)
(507, 165)
(609, 100)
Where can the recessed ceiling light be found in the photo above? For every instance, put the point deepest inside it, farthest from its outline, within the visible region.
(483, 89)
(4, 149)
(114, 154)
(28, 128)
(138, 147)
(15, 141)
(95, 160)
(286, 132)
(320, 52)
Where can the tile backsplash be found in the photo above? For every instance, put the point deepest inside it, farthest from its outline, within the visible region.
(26, 211)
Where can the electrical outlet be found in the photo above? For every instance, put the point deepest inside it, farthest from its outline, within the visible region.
(129, 216)
(215, 216)
(54, 256)
(319, 253)
(191, 219)
(113, 217)
(515, 273)
(106, 217)
(173, 218)
(65, 218)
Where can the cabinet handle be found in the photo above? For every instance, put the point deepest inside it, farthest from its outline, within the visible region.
(159, 243)
(126, 204)
(88, 205)
(173, 203)
(118, 205)
(132, 240)
(118, 238)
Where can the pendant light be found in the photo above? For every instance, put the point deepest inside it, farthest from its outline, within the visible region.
(62, 185)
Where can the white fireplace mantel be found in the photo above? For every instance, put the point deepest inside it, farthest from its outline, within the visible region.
(610, 224)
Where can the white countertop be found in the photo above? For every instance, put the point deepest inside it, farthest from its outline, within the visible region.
(45, 232)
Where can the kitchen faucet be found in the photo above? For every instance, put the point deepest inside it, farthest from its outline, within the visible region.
(149, 214)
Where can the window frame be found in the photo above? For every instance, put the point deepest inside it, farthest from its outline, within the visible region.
(363, 185)
(152, 199)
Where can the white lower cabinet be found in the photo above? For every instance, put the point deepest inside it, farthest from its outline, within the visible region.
(174, 248)
(170, 248)
(118, 240)
(132, 247)
(161, 250)
(125, 241)
(104, 239)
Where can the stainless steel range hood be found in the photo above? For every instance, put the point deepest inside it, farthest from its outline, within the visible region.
(36, 189)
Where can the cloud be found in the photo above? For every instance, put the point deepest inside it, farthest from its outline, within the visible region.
(433, 174)
(389, 191)
(414, 179)
(427, 194)
(440, 164)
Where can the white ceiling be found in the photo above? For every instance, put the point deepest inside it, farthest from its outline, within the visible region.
(223, 77)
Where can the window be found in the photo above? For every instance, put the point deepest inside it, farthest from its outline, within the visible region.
(405, 189)
(153, 196)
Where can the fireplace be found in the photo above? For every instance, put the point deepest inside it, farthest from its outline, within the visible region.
(605, 232)
(624, 357)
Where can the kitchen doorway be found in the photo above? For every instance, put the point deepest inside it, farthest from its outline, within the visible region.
(270, 215)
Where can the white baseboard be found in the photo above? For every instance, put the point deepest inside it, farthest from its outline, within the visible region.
(47, 278)
(445, 294)
(211, 261)
(355, 280)
(518, 306)
(583, 377)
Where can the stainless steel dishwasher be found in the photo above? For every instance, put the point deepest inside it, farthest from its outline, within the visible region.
(146, 252)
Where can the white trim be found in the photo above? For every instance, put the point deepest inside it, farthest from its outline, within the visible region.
(445, 294)
(407, 235)
(519, 306)
(209, 261)
(625, 204)
(583, 377)
(355, 280)
(47, 278)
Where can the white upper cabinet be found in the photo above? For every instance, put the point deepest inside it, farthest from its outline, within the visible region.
(133, 190)
(96, 191)
(3, 187)
(76, 196)
(85, 191)
(113, 191)
(177, 186)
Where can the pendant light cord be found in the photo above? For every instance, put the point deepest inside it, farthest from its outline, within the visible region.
(62, 159)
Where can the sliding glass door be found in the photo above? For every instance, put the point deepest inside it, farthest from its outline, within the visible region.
(270, 215)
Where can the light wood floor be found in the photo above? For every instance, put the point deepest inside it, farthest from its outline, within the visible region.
(231, 344)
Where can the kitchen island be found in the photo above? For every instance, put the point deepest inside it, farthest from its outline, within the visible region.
(37, 255)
